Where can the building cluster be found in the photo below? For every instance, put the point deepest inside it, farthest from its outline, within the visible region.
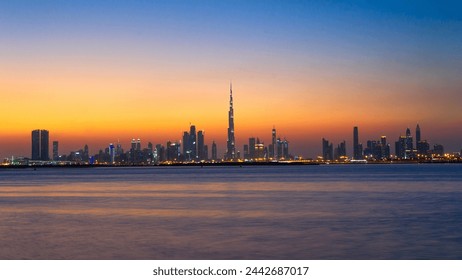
(379, 150)
(192, 149)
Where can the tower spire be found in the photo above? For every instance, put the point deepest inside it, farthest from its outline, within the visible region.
(231, 149)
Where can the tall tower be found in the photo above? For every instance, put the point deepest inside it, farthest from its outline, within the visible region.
(231, 147)
(417, 134)
(200, 145)
(409, 142)
(273, 144)
(356, 148)
(193, 142)
(40, 145)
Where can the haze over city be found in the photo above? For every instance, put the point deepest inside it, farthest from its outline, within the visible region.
(94, 73)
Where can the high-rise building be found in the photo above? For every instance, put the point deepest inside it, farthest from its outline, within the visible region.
(214, 151)
(340, 151)
(438, 150)
(200, 145)
(206, 152)
(417, 134)
(285, 149)
(273, 144)
(193, 142)
(400, 148)
(111, 153)
(186, 146)
(357, 151)
(259, 150)
(422, 148)
(40, 145)
(231, 148)
(409, 141)
(252, 143)
(135, 151)
(55, 151)
(327, 150)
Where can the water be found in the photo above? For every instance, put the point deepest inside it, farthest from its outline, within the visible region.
(259, 212)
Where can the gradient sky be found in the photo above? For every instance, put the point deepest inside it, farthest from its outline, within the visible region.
(93, 72)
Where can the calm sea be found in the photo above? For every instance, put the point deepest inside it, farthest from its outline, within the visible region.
(253, 212)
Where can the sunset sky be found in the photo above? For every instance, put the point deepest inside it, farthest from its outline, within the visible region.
(93, 72)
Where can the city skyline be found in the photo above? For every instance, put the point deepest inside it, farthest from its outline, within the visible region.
(148, 69)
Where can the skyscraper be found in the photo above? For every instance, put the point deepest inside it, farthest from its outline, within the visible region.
(252, 143)
(273, 144)
(230, 148)
(186, 149)
(327, 150)
(409, 142)
(200, 145)
(214, 151)
(55, 150)
(192, 142)
(111, 153)
(40, 145)
(357, 153)
(417, 134)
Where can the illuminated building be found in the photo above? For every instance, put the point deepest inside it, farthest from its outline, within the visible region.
(259, 150)
(192, 142)
(55, 151)
(111, 153)
(40, 145)
(230, 147)
(135, 151)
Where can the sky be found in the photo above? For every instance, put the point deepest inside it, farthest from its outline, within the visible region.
(97, 72)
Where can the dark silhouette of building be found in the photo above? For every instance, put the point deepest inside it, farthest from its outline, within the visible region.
(186, 146)
(423, 147)
(409, 141)
(252, 143)
(193, 142)
(400, 148)
(340, 151)
(214, 151)
(55, 150)
(417, 134)
(273, 144)
(230, 147)
(327, 150)
(40, 145)
(200, 145)
(357, 148)
(438, 150)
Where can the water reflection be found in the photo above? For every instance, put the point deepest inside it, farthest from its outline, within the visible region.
(322, 213)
